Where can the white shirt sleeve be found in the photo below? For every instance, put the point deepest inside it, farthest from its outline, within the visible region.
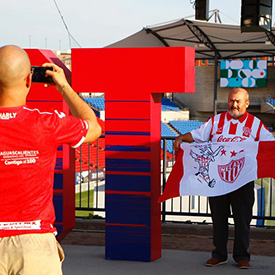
(202, 134)
(265, 134)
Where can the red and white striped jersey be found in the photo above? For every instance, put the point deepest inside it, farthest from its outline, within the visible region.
(223, 128)
(28, 145)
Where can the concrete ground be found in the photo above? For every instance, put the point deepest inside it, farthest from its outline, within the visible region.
(85, 260)
(185, 249)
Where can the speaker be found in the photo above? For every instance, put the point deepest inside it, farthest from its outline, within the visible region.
(202, 9)
(256, 15)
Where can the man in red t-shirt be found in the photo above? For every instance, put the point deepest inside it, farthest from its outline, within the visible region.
(235, 125)
(28, 143)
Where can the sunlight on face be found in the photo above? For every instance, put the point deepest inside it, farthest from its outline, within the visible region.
(238, 102)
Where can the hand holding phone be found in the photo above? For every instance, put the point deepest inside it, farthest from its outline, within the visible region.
(58, 76)
(39, 74)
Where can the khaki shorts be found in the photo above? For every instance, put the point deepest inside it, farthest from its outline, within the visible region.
(31, 254)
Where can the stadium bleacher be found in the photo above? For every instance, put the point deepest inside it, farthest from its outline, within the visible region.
(185, 126)
(180, 127)
(87, 161)
(271, 101)
(96, 102)
(166, 131)
(99, 103)
(168, 105)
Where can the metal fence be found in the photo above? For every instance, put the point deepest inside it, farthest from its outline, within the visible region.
(90, 197)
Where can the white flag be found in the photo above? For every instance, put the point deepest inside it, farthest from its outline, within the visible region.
(214, 169)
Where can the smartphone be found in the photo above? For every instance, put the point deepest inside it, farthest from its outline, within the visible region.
(38, 74)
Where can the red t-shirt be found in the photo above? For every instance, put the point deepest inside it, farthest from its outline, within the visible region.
(28, 142)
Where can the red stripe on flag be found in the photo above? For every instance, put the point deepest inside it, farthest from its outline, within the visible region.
(266, 159)
(172, 187)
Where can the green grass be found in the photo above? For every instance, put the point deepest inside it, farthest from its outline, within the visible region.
(84, 201)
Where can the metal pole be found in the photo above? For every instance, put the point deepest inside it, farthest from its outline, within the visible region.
(164, 177)
(215, 84)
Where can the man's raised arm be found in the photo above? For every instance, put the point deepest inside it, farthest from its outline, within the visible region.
(77, 106)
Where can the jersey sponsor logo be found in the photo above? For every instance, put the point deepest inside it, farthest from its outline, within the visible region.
(8, 115)
(19, 157)
(31, 153)
(230, 172)
(29, 225)
(228, 139)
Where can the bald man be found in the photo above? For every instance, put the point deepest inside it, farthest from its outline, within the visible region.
(28, 143)
(235, 125)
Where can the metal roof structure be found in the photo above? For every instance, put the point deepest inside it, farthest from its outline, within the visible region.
(211, 40)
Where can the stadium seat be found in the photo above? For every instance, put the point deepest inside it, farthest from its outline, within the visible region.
(168, 105)
(271, 101)
(86, 156)
(166, 131)
(184, 127)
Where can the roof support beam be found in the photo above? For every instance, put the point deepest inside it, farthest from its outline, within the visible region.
(271, 37)
(202, 37)
(157, 36)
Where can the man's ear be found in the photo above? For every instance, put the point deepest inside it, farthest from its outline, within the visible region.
(247, 103)
(29, 81)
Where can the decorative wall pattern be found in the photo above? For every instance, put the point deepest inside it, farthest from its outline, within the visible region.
(243, 73)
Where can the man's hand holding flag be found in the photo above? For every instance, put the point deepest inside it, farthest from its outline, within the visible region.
(214, 169)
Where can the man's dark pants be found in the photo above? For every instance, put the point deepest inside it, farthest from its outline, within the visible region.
(241, 202)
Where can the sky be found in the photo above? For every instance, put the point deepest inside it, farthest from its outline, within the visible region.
(93, 23)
